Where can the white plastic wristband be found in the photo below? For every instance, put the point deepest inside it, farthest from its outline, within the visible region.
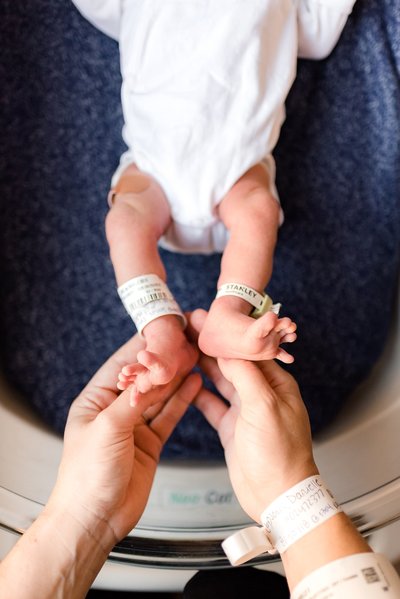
(288, 518)
(359, 576)
(298, 511)
(246, 544)
(261, 301)
(146, 298)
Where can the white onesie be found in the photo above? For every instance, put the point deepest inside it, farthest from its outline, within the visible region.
(203, 92)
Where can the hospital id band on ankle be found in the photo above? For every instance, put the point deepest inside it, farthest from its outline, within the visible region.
(359, 576)
(146, 298)
(261, 302)
(287, 519)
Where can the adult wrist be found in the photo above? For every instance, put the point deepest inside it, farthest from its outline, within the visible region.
(297, 511)
(360, 576)
(281, 485)
(334, 539)
(77, 523)
(58, 556)
(292, 515)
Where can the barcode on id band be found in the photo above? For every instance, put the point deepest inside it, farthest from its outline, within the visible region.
(370, 575)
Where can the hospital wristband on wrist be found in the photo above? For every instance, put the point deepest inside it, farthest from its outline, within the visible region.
(146, 298)
(292, 515)
(359, 576)
(298, 511)
(261, 302)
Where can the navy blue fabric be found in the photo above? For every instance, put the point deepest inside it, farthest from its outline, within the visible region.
(338, 175)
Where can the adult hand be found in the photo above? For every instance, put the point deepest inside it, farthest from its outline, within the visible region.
(264, 430)
(112, 445)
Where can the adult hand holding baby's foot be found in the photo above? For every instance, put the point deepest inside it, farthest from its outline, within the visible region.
(128, 375)
(173, 356)
(228, 332)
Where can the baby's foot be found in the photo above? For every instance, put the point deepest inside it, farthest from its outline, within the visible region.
(229, 333)
(128, 375)
(157, 367)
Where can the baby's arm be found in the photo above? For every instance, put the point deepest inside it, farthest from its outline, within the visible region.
(103, 14)
(320, 23)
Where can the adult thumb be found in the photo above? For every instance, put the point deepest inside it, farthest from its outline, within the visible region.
(121, 414)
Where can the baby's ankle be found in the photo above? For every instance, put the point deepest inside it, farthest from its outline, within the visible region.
(168, 326)
(230, 303)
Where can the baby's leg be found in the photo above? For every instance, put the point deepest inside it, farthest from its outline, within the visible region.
(138, 216)
(251, 214)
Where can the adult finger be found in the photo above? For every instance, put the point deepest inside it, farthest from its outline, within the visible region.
(212, 407)
(172, 410)
(281, 381)
(258, 400)
(210, 368)
(207, 364)
(120, 415)
(267, 375)
(107, 375)
(195, 323)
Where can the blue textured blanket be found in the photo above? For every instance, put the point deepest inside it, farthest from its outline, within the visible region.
(338, 175)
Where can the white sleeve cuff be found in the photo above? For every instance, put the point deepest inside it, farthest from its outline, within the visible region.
(320, 23)
(125, 160)
(103, 14)
(345, 6)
